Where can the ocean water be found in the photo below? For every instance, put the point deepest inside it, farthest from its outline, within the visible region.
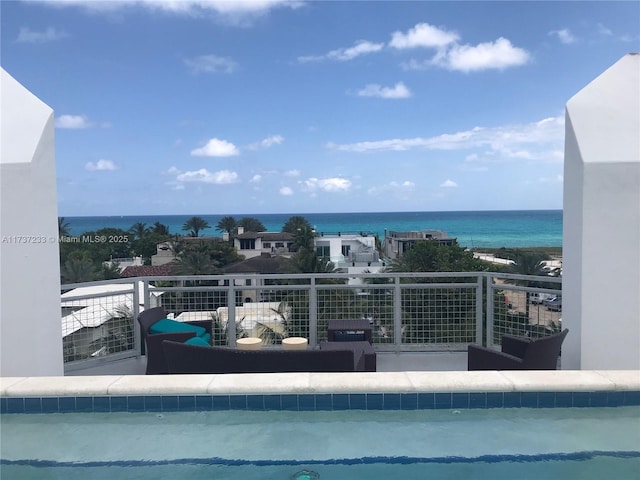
(521, 228)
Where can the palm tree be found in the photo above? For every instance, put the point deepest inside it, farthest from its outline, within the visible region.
(529, 263)
(78, 270)
(295, 224)
(195, 262)
(270, 334)
(160, 229)
(251, 224)
(304, 238)
(139, 230)
(64, 228)
(194, 225)
(227, 224)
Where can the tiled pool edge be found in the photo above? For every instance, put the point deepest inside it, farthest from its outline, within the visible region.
(321, 391)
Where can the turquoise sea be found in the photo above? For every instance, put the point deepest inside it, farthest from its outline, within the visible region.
(522, 228)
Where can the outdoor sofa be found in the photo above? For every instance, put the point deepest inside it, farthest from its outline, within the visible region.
(518, 353)
(186, 358)
(156, 327)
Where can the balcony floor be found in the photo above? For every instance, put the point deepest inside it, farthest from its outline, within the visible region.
(386, 362)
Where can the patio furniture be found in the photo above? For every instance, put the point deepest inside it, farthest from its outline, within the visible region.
(294, 343)
(249, 343)
(156, 327)
(349, 331)
(363, 348)
(518, 353)
(183, 358)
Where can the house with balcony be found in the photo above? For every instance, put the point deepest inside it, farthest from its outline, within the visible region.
(254, 244)
(396, 243)
(354, 253)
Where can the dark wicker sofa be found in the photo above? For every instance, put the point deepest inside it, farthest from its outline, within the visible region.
(156, 363)
(184, 358)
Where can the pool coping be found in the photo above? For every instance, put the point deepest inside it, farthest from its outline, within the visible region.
(322, 391)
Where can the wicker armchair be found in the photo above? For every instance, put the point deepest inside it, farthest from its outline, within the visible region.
(518, 353)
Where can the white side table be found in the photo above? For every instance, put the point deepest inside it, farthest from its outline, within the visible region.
(294, 343)
(249, 343)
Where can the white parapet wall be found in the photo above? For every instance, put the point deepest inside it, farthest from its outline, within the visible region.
(601, 265)
(30, 329)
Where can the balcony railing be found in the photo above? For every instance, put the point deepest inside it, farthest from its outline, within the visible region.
(407, 311)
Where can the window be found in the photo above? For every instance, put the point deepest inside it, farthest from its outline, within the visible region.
(279, 244)
(247, 244)
(345, 250)
(266, 244)
(323, 251)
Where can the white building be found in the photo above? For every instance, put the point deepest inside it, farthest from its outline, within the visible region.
(601, 264)
(29, 256)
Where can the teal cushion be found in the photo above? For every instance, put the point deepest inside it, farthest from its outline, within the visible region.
(198, 341)
(206, 337)
(166, 325)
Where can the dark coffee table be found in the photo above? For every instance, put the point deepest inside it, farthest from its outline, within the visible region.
(365, 347)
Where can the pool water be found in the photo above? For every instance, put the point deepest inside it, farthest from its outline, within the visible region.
(519, 443)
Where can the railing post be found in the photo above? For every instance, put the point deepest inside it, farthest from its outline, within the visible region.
(490, 313)
(231, 318)
(479, 309)
(313, 313)
(397, 313)
(136, 311)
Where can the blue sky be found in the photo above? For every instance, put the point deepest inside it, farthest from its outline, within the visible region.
(207, 107)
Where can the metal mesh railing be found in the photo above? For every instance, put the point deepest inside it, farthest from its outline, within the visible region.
(522, 306)
(425, 311)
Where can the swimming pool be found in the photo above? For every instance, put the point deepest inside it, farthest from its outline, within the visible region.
(470, 443)
(506, 425)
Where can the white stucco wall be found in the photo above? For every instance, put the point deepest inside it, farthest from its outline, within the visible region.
(601, 264)
(30, 329)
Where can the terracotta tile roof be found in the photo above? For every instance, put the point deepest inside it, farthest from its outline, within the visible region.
(261, 264)
(147, 271)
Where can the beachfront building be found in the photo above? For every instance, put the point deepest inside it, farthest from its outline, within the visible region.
(396, 243)
(262, 265)
(352, 253)
(254, 244)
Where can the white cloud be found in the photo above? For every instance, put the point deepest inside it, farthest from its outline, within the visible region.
(101, 165)
(216, 148)
(72, 122)
(267, 142)
(235, 12)
(507, 141)
(26, 35)
(205, 176)
(448, 184)
(489, 55)
(336, 184)
(292, 173)
(423, 35)
(399, 90)
(286, 191)
(210, 64)
(257, 178)
(565, 36)
(361, 47)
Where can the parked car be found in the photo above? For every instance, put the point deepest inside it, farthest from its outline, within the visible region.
(554, 304)
(538, 298)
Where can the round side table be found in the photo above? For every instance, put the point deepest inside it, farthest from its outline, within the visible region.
(294, 343)
(249, 343)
